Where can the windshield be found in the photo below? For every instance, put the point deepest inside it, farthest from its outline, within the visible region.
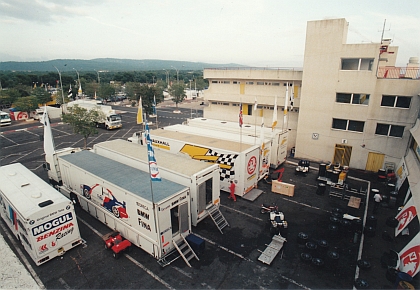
(4, 116)
(115, 118)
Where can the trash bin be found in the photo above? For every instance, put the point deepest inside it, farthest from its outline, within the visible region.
(292, 152)
(322, 170)
(321, 189)
(393, 199)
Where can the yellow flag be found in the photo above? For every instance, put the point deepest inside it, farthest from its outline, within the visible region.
(140, 113)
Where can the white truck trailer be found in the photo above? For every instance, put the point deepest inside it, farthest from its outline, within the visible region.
(238, 162)
(279, 137)
(41, 218)
(202, 178)
(154, 216)
(265, 147)
(110, 120)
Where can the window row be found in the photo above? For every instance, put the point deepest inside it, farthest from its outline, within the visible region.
(356, 63)
(363, 99)
(259, 83)
(358, 126)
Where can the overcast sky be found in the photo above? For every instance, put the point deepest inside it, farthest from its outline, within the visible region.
(250, 32)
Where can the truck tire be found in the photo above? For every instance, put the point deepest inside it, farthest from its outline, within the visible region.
(115, 211)
(106, 127)
(74, 199)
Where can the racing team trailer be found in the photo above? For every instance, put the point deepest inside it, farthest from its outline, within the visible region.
(41, 218)
(202, 178)
(265, 147)
(279, 137)
(152, 215)
(110, 120)
(238, 162)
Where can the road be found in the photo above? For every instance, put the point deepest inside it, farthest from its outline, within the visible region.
(230, 260)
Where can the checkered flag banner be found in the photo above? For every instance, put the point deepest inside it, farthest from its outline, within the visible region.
(227, 164)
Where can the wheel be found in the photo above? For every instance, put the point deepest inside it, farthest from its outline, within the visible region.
(263, 211)
(106, 127)
(106, 247)
(115, 255)
(115, 211)
(74, 199)
(86, 193)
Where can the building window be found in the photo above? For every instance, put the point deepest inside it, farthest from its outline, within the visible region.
(260, 83)
(236, 82)
(276, 84)
(214, 82)
(249, 83)
(389, 130)
(395, 101)
(348, 125)
(356, 63)
(226, 82)
(358, 99)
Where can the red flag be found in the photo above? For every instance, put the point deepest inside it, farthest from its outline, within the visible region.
(241, 119)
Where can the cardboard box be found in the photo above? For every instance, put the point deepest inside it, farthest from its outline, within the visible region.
(283, 188)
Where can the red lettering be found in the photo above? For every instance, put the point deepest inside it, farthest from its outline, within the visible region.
(54, 232)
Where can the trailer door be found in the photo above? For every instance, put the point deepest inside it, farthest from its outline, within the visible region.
(179, 219)
(251, 169)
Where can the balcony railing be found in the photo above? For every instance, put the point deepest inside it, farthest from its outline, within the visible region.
(393, 72)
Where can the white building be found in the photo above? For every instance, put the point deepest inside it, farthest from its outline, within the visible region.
(351, 104)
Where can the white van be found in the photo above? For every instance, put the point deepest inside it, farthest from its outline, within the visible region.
(5, 119)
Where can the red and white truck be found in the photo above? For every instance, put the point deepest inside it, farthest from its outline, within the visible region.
(238, 162)
(41, 218)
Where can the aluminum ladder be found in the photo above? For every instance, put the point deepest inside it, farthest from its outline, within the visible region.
(218, 218)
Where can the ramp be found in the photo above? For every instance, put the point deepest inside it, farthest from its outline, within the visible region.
(253, 194)
(272, 249)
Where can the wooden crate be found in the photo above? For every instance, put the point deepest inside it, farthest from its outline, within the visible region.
(283, 188)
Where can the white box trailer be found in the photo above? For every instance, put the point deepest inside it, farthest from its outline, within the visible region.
(151, 215)
(238, 162)
(279, 137)
(41, 218)
(111, 119)
(202, 178)
(265, 149)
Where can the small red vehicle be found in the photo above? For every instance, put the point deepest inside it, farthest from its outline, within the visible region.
(116, 243)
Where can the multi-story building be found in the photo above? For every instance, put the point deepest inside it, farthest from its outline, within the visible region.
(357, 108)
(351, 104)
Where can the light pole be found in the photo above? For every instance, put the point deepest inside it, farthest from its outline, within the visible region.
(177, 78)
(99, 80)
(79, 92)
(61, 84)
(167, 78)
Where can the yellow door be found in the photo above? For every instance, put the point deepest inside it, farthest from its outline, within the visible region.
(375, 161)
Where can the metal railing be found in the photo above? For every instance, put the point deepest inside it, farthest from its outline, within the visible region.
(393, 72)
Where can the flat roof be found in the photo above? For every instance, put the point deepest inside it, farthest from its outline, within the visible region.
(126, 177)
(178, 163)
(202, 141)
(25, 190)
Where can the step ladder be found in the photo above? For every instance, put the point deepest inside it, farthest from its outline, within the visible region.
(182, 249)
(217, 217)
(185, 250)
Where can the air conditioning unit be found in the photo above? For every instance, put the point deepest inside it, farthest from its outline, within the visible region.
(344, 141)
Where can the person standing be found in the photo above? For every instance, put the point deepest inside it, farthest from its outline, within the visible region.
(232, 190)
(377, 198)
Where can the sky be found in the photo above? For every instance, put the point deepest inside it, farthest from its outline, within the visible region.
(261, 33)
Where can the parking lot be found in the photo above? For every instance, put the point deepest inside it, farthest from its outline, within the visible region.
(230, 260)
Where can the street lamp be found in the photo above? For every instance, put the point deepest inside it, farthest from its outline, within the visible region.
(177, 79)
(61, 84)
(167, 78)
(99, 80)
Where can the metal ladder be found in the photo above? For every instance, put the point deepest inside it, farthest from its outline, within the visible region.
(185, 251)
(217, 217)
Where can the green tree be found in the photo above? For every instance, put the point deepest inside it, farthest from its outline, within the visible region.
(106, 90)
(26, 104)
(177, 92)
(41, 95)
(83, 121)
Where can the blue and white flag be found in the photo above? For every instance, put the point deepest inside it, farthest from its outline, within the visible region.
(154, 170)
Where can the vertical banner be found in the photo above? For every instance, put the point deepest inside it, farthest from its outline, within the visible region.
(410, 257)
(274, 124)
(48, 137)
(241, 120)
(154, 105)
(140, 113)
(405, 216)
(401, 173)
(286, 100)
(154, 170)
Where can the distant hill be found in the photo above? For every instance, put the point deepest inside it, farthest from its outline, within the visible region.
(107, 64)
